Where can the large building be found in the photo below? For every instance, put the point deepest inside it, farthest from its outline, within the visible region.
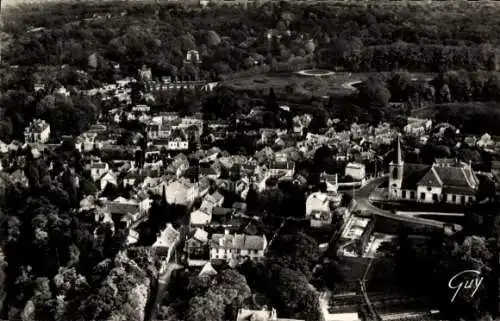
(38, 131)
(447, 181)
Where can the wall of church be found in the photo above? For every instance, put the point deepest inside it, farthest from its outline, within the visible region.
(458, 199)
(428, 194)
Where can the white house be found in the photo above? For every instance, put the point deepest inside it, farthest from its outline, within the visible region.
(108, 178)
(166, 244)
(356, 171)
(200, 218)
(98, 169)
(417, 126)
(227, 247)
(181, 192)
(38, 131)
(318, 209)
(193, 56)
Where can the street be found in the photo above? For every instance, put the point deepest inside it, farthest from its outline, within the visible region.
(163, 281)
(362, 197)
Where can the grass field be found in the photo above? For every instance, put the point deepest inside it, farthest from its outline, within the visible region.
(338, 84)
(297, 84)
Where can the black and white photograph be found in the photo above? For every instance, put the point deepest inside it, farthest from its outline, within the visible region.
(249, 160)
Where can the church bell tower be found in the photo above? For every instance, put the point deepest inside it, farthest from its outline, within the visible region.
(396, 172)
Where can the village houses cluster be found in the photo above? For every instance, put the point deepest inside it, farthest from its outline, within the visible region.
(159, 161)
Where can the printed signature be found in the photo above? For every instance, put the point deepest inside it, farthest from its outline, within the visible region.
(468, 279)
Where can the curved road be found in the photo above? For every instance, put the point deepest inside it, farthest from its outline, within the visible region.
(362, 196)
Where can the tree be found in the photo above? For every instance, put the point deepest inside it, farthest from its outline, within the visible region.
(299, 250)
(373, 94)
(400, 86)
(445, 94)
(292, 295)
(271, 102)
(207, 307)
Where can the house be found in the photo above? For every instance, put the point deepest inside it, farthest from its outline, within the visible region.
(260, 315)
(131, 178)
(108, 178)
(417, 126)
(281, 168)
(197, 248)
(207, 270)
(227, 247)
(179, 164)
(97, 169)
(181, 192)
(177, 141)
(144, 73)
(331, 181)
(166, 244)
(200, 218)
(356, 171)
(62, 91)
(447, 182)
(485, 141)
(18, 177)
(222, 216)
(121, 208)
(193, 56)
(210, 201)
(210, 172)
(141, 109)
(318, 209)
(328, 314)
(38, 131)
(359, 230)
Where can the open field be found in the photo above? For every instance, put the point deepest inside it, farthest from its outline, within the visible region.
(338, 84)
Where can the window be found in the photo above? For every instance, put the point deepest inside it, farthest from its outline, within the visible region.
(422, 196)
(395, 173)
(412, 195)
(454, 198)
(445, 197)
(462, 199)
(403, 194)
(435, 197)
(471, 199)
(429, 188)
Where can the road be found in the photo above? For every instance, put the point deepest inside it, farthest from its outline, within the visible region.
(362, 197)
(163, 281)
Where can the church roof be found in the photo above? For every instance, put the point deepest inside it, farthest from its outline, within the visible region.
(412, 175)
(453, 179)
(431, 179)
(454, 176)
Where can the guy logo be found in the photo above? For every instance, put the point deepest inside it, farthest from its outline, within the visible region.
(468, 279)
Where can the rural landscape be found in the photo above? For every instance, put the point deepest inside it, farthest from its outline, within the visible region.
(249, 160)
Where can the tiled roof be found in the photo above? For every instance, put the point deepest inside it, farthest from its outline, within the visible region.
(412, 174)
(453, 176)
(431, 179)
(122, 208)
(168, 237)
(238, 241)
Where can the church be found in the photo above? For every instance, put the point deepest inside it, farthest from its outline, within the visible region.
(447, 181)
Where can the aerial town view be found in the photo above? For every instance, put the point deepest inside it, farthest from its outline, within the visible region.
(249, 160)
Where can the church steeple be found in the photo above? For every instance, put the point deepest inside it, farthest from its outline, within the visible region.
(399, 157)
(396, 172)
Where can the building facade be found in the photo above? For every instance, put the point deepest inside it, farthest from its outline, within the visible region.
(446, 181)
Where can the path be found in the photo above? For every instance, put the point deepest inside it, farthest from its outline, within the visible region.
(163, 281)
